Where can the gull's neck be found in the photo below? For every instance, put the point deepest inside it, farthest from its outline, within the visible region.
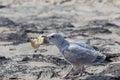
(61, 44)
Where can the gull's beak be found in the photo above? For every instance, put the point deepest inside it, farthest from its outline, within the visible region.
(41, 40)
(46, 40)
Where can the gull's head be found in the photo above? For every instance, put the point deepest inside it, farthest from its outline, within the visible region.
(55, 38)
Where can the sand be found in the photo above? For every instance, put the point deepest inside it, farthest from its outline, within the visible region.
(95, 22)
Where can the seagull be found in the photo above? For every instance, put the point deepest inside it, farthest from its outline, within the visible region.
(78, 54)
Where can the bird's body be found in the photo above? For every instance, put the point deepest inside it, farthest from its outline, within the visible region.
(81, 54)
(76, 53)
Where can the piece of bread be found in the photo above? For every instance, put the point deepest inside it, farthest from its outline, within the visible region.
(35, 43)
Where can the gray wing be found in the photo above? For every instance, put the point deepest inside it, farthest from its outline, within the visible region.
(80, 55)
(84, 45)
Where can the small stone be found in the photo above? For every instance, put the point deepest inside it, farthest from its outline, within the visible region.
(26, 59)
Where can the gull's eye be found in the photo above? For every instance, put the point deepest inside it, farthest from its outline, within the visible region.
(52, 36)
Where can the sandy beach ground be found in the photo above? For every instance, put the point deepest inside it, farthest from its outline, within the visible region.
(95, 22)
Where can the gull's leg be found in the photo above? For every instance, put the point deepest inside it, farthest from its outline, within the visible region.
(82, 69)
(68, 73)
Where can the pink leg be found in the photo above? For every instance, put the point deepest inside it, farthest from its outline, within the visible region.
(68, 73)
(81, 72)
